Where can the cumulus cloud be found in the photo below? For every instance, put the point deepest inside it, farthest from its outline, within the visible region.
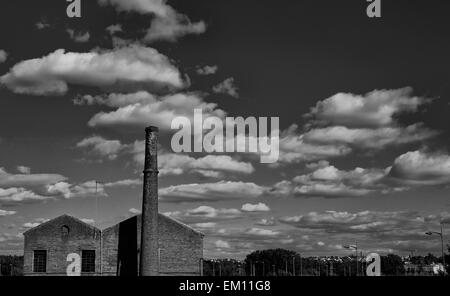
(266, 222)
(327, 181)
(121, 68)
(123, 183)
(101, 147)
(223, 190)
(260, 207)
(262, 232)
(205, 214)
(227, 87)
(369, 138)
(374, 109)
(69, 191)
(134, 211)
(422, 168)
(24, 170)
(136, 110)
(113, 29)
(4, 213)
(78, 37)
(294, 148)
(3, 56)
(167, 24)
(15, 196)
(222, 244)
(207, 70)
(27, 180)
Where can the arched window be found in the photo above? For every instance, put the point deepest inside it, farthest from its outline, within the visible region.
(65, 231)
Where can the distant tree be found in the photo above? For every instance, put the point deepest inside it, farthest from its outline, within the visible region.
(273, 262)
(392, 265)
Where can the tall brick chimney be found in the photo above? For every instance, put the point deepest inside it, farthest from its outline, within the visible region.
(149, 260)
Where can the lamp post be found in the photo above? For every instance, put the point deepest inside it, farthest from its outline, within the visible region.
(354, 247)
(441, 234)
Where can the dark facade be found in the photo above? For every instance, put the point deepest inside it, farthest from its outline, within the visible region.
(113, 251)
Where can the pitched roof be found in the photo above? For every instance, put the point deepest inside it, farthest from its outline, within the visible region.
(60, 217)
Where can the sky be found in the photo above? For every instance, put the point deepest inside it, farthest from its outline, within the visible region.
(362, 103)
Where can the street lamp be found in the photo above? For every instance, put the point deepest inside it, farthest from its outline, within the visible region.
(354, 247)
(441, 234)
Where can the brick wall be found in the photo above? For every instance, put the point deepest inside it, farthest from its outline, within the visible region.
(48, 236)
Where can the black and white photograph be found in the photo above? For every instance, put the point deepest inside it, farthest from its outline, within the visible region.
(251, 139)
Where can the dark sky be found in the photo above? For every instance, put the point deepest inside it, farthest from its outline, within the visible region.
(284, 57)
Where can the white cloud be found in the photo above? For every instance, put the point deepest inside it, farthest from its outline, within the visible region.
(375, 109)
(112, 29)
(227, 87)
(132, 66)
(68, 191)
(134, 211)
(88, 221)
(78, 37)
(102, 147)
(13, 196)
(6, 213)
(222, 244)
(137, 109)
(266, 222)
(24, 170)
(260, 207)
(205, 213)
(421, 168)
(262, 232)
(207, 70)
(123, 183)
(211, 191)
(3, 56)
(42, 25)
(28, 180)
(369, 138)
(167, 24)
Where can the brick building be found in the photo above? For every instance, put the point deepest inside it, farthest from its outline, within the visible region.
(112, 251)
(147, 244)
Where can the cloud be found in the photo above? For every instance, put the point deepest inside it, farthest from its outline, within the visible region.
(222, 244)
(205, 214)
(78, 37)
(113, 29)
(15, 196)
(24, 170)
(88, 221)
(266, 222)
(207, 70)
(211, 192)
(3, 56)
(28, 180)
(421, 168)
(69, 191)
(327, 181)
(123, 183)
(134, 211)
(262, 232)
(167, 24)
(227, 87)
(4, 213)
(42, 25)
(260, 207)
(102, 147)
(136, 110)
(133, 66)
(207, 166)
(369, 138)
(294, 148)
(374, 109)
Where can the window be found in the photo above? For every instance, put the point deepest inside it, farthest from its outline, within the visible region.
(87, 261)
(65, 231)
(40, 261)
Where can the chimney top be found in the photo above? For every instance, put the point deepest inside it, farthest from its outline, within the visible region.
(152, 129)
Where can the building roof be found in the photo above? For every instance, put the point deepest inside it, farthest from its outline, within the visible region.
(97, 229)
(61, 217)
